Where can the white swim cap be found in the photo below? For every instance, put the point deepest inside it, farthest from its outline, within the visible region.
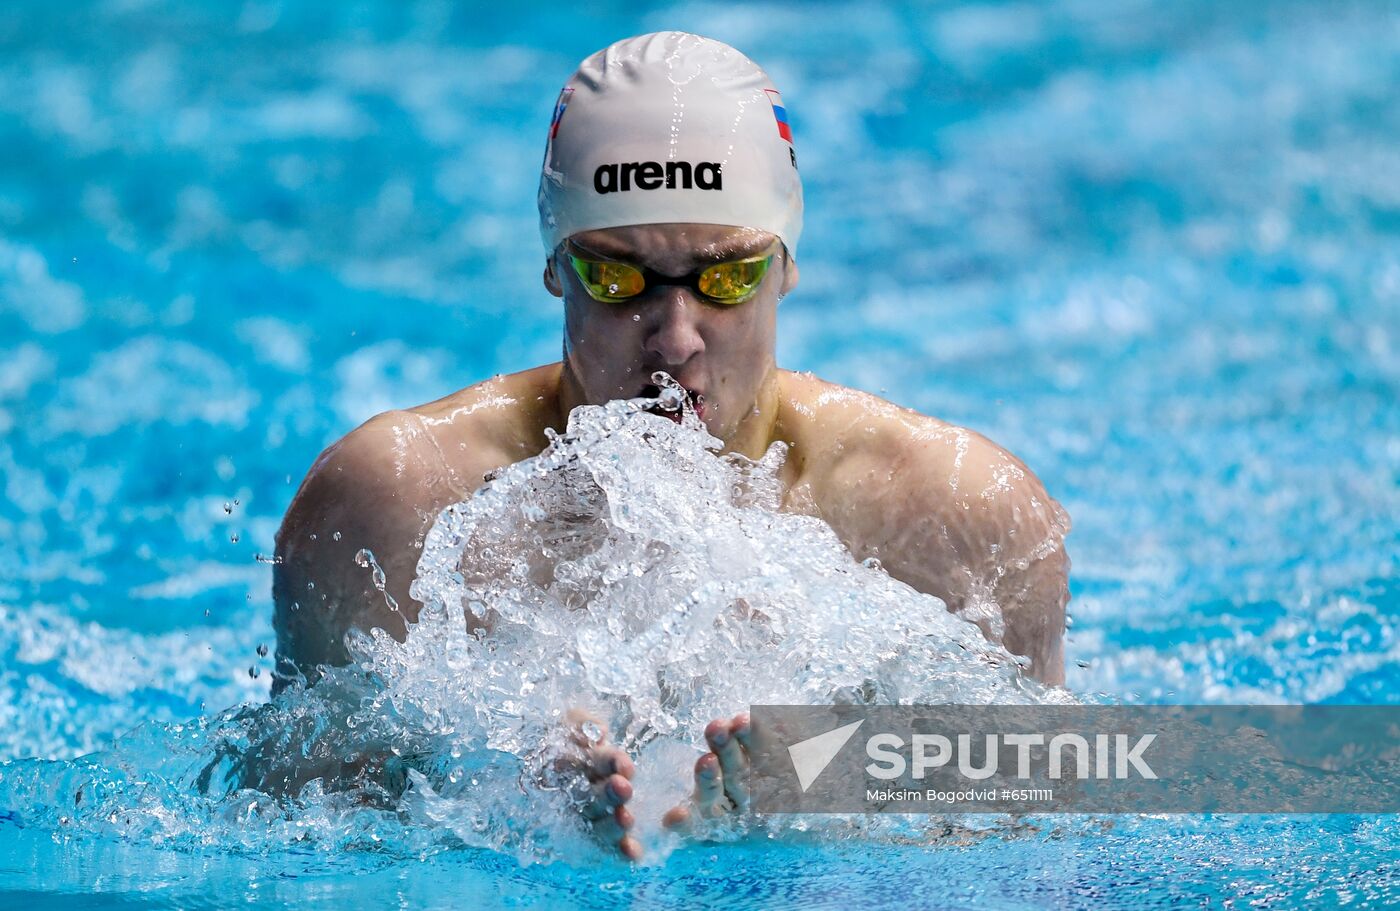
(669, 127)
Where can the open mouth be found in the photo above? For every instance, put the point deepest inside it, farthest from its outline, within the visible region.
(696, 400)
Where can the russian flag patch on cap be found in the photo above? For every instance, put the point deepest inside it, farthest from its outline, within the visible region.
(780, 114)
(559, 106)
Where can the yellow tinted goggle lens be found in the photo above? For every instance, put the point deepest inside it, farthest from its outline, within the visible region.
(723, 283)
(608, 281)
(734, 282)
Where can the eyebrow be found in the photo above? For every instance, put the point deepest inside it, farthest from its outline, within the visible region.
(724, 250)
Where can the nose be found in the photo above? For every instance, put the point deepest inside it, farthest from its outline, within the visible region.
(674, 336)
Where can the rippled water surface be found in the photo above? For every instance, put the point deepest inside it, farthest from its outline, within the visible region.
(1151, 247)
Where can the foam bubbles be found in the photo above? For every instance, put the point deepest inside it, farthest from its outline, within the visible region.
(628, 571)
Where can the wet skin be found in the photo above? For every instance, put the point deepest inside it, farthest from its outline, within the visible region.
(721, 775)
(944, 509)
(602, 781)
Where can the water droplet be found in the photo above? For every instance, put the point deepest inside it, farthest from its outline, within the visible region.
(636, 317)
(262, 649)
(233, 538)
(366, 558)
(253, 672)
(628, 583)
(235, 502)
(335, 537)
(228, 509)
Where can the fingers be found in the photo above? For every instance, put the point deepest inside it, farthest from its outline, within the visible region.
(608, 782)
(722, 738)
(709, 787)
(611, 788)
(742, 729)
(615, 829)
(602, 798)
(721, 775)
(677, 819)
(603, 784)
(605, 760)
(708, 799)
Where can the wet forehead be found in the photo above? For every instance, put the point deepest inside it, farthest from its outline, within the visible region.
(672, 248)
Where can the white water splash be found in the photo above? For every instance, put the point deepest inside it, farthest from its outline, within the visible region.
(627, 570)
(630, 571)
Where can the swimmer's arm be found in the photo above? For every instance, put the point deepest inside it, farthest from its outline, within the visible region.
(976, 527)
(370, 491)
(1033, 595)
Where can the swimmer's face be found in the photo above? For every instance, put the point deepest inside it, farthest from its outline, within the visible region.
(722, 352)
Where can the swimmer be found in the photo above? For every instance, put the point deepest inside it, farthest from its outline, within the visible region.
(671, 208)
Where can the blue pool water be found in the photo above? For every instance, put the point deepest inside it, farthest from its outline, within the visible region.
(1153, 248)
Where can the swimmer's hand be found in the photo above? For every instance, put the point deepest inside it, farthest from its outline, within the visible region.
(601, 780)
(721, 775)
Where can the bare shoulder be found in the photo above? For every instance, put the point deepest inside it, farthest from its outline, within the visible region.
(373, 495)
(399, 463)
(503, 416)
(947, 510)
(441, 449)
(846, 435)
(369, 496)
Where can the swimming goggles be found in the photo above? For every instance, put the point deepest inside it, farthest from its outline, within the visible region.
(728, 283)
